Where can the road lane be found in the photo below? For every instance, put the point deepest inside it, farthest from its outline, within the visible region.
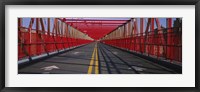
(95, 58)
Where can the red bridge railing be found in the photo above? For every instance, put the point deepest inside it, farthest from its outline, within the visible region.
(37, 41)
(163, 43)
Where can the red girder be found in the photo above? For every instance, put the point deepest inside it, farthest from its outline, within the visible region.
(96, 22)
(93, 26)
(161, 43)
(95, 29)
(129, 34)
(64, 19)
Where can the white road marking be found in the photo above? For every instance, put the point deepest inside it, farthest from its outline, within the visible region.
(76, 53)
(138, 68)
(48, 68)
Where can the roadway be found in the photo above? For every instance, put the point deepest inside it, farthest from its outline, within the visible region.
(95, 58)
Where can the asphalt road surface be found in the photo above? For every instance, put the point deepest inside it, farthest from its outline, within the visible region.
(95, 58)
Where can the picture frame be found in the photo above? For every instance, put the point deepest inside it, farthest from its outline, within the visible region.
(99, 2)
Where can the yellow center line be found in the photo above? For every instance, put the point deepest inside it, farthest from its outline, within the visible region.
(91, 61)
(96, 63)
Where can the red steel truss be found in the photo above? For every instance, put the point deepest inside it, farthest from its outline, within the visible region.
(161, 43)
(33, 42)
(95, 28)
(144, 36)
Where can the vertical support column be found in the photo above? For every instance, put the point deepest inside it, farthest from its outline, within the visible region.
(58, 28)
(152, 49)
(43, 37)
(141, 35)
(62, 34)
(48, 36)
(61, 29)
(30, 37)
(37, 35)
(59, 35)
(169, 39)
(48, 32)
(27, 39)
(54, 35)
(20, 45)
(55, 27)
(135, 34)
(42, 25)
(131, 34)
(159, 38)
(146, 41)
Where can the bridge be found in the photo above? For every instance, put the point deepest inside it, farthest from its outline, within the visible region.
(95, 45)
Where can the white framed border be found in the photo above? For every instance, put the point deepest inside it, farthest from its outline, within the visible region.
(186, 79)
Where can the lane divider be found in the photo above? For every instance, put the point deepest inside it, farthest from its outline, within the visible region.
(91, 63)
(93, 60)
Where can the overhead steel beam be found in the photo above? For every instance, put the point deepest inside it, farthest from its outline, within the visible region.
(97, 22)
(96, 19)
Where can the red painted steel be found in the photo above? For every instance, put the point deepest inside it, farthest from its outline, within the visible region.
(147, 37)
(34, 42)
(161, 43)
(95, 28)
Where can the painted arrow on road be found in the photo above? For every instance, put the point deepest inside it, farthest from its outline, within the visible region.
(48, 68)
